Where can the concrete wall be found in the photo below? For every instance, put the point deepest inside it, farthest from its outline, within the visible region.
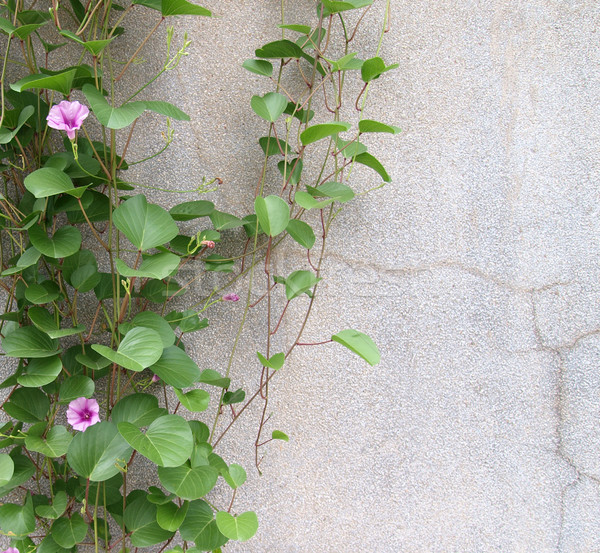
(476, 272)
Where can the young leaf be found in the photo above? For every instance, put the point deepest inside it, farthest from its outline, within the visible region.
(270, 106)
(290, 170)
(317, 132)
(336, 190)
(372, 162)
(212, 377)
(336, 6)
(234, 475)
(113, 118)
(298, 283)
(94, 47)
(182, 7)
(240, 528)
(230, 398)
(279, 49)
(360, 344)
(372, 68)
(273, 214)
(302, 233)
(279, 435)
(271, 147)
(195, 401)
(368, 125)
(274, 362)
(259, 67)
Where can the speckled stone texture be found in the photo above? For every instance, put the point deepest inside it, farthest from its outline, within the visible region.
(476, 272)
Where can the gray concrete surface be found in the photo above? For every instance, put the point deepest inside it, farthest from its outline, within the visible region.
(476, 271)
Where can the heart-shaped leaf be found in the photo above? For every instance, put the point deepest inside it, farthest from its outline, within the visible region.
(273, 214)
(137, 409)
(235, 475)
(18, 520)
(59, 504)
(301, 232)
(140, 520)
(322, 130)
(55, 444)
(7, 468)
(298, 283)
(170, 516)
(65, 241)
(44, 321)
(157, 266)
(191, 210)
(39, 372)
(145, 225)
(28, 341)
(187, 482)
(195, 401)
(176, 368)
(168, 441)
(240, 528)
(68, 531)
(200, 527)
(140, 348)
(28, 405)
(209, 376)
(270, 106)
(260, 67)
(99, 452)
(76, 386)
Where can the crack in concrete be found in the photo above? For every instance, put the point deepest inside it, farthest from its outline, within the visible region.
(560, 408)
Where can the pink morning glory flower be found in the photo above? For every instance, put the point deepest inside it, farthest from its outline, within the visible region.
(67, 116)
(231, 297)
(11, 550)
(155, 378)
(82, 413)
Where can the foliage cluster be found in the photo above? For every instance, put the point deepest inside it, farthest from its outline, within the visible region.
(92, 324)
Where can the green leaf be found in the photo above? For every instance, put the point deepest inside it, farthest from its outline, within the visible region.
(229, 398)
(94, 47)
(260, 67)
(45, 292)
(182, 7)
(167, 442)
(167, 109)
(350, 148)
(298, 283)
(108, 116)
(190, 322)
(61, 82)
(28, 341)
(187, 211)
(176, 368)
(209, 376)
(23, 471)
(76, 386)
(270, 146)
(195, 401)
(372, 162)
(157, 266)
(235, 475)
(140, 519)
(218, 263)
(369, 125)
(301, 232)
(200, 527)
(273, 214)
(43, 320)
(145, 225)
(58, 507)
(303, 29)
(240, 528)
(158, 291)
(140, 348)
(335, 6)
(270, 106)
(291, 171)
(274, 362)
(28, 405)
(305, 200)
(137, 409)
(66, 241)
(98, 452)
(67, 532)
(360, 344)
(7, 468)
(279, 435)
(18, 520)
(55, 444)
(348, 62)
(186, 482)
(153, 321)
(317, 132)
(7, 135)
(280, 49)
(224, 221)
(170, 516)
(39, 372)
(372, 68)
(92, 359)
(332, 189)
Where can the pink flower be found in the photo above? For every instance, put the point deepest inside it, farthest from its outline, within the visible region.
(231, 297)
(11, 550)
(208, 243)
(155, 378)
(67, 116)
(82, 413)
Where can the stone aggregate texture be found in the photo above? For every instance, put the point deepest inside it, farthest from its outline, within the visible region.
(476, 272)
